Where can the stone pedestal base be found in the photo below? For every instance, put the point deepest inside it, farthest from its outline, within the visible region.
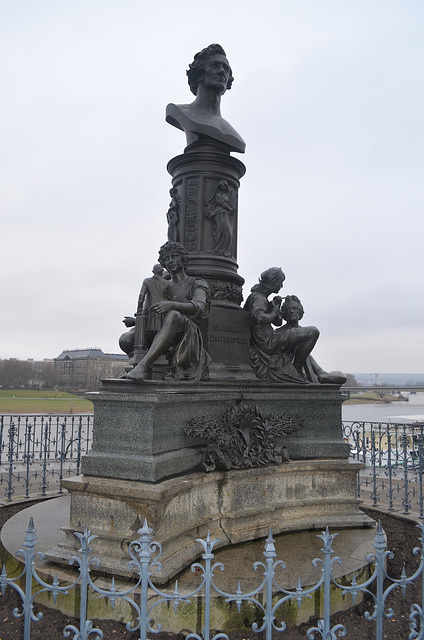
(139, 429)
(234, 506)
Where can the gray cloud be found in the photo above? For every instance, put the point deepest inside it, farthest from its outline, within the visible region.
(328, 96)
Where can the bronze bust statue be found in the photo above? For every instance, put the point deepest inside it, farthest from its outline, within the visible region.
(209, 77)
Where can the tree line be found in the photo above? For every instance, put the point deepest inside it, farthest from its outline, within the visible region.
(31, 374)
(27, 373)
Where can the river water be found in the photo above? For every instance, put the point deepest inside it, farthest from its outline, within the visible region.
(410, 411)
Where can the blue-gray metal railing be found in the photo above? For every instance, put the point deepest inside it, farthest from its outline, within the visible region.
(268, 597)
(41, 448)
(393, 455)
(36, 449)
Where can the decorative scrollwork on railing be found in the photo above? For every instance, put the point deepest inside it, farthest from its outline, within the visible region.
(268, 598)
(393, 455)
(36, 451)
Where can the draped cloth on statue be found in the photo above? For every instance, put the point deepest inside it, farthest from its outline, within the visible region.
(271, 351)
(188, 357)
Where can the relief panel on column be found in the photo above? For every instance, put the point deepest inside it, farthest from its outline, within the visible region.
(191, 213)
(220, 217)
(174, 215)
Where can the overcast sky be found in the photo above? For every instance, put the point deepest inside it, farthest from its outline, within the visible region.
(328, 95)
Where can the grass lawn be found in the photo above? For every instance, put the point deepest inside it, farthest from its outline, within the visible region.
(20, 401)
(371, 397)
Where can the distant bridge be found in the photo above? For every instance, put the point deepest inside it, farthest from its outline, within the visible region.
(401, 387)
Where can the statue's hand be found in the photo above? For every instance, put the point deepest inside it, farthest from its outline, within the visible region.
(162, 307)
(275, 313)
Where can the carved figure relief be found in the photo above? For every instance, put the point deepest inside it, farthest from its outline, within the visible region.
(173, 215)
(220, 211)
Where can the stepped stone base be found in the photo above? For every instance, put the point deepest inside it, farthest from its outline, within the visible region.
(143, 466)
(234, 506)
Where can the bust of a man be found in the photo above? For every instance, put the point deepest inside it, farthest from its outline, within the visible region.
(209, 76)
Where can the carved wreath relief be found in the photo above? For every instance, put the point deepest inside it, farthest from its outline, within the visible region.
(243, 438)
(224, 290)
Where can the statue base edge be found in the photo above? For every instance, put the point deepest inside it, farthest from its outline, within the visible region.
(139, 433)
(235, 506)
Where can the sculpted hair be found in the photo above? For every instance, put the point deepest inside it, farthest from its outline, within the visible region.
(195, 69)
(271, 275)
(268, 278)
(175, 247)
(289, 300)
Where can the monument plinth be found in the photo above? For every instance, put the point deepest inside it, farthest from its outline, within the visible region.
(140, 432)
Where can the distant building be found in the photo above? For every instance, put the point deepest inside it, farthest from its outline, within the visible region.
(83, 368)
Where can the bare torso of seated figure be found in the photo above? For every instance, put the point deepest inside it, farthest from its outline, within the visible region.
(198, 124)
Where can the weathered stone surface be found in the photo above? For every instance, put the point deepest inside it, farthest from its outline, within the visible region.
(234, 506)
(139, 435)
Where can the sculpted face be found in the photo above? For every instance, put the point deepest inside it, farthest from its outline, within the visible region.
(216, 73)
(293, 313)
(173, 262)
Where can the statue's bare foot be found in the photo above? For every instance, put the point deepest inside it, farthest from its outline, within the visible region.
(139, 373)
(330, 378)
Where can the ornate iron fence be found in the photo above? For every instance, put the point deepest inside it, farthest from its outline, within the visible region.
(145, 599)
(393, 455)
(39, 449)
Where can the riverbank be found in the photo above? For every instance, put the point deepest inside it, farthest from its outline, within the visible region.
(53, 402)
(375, 397)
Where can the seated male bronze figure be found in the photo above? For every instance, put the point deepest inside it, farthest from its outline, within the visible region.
(178, 337)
